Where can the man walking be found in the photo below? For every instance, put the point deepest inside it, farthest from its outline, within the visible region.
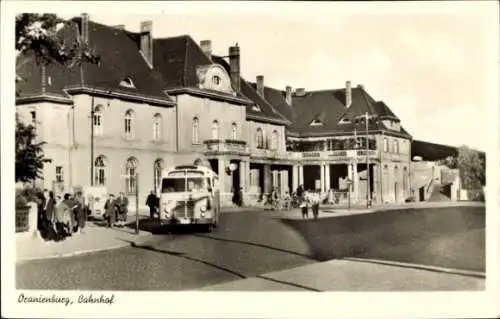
(153, 203)
(122, 203)
(315, 199)
(110, 210)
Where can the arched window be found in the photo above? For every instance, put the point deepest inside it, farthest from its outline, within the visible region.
(100, 171)
(274, 140)
(129, 125)
(234, 131)
(130, 175)
(196, 131)
(395, 146)
(215, 130)
(259, 138)
(386, 144)
(98, 123)
(157, 168)
(157, 127)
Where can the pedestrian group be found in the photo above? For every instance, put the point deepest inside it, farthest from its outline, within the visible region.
(59, 218)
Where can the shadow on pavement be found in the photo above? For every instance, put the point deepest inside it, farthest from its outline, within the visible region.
(451, 237)
(152, 226)
(184, 256)
(214, 237)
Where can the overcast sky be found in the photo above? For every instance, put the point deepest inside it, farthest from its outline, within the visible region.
(434, 70)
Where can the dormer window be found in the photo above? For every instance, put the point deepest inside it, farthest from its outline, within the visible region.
(256, 108)
(216, 80)
(316, 123)
(127, 82)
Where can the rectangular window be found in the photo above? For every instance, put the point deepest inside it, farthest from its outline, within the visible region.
(386, 145)
(156, 131)
(59, 174)
(131, 181)
(33, 118)
(97, 124)
(128, 127)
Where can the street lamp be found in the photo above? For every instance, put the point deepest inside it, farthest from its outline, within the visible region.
(366, 118)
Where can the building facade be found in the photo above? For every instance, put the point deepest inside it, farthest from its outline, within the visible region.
(155, 103)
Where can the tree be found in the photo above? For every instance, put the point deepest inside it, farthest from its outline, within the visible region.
(38, 34)
(29, 154)
(471, 165)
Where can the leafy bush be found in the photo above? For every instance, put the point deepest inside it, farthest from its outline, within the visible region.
(476, 195)
(28, 194)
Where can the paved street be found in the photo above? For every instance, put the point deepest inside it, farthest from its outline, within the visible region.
(255, 243)
(245, 245)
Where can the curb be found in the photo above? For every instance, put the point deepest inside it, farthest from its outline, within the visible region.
(453, 271)
(76, 253)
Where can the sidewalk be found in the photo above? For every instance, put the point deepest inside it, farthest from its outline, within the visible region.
(95, 238)
(358, 275)
(329, 211)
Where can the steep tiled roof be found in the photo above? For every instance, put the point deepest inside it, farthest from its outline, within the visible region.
(120, 58)
(383, 110)
(277, 99)
(267, 111)
(177, 58)
(328, 108)
(431, 151)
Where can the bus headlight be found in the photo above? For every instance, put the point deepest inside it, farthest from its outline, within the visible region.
(203, 209)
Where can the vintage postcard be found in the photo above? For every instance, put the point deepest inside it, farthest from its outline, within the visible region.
(250, 159)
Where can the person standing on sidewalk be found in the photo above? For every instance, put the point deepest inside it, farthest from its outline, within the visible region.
(79, 212)
(50, 228)
(122, 203)
(153, 203)
(304, 206)
(315, 199)
(110, 210)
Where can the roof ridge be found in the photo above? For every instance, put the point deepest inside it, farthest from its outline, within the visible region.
(173, 37)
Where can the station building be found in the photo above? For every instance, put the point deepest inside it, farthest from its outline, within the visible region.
(154, 103)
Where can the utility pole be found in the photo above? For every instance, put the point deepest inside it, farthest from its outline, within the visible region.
(368, 191)
(92, 140)
(137, 203)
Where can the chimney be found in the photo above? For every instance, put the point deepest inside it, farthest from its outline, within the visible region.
(206, 47)
(234, 66)
(288, 96)
(260, 85)
(348, 94)
(85, 27)
(300, 92)
(147, 41)
(119, 27)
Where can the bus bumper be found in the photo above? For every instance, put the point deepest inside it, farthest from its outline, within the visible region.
(188, 221)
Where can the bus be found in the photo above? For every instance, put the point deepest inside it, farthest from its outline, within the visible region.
(189, 194)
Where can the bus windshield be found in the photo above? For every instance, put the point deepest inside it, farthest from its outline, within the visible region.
(177, 185)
